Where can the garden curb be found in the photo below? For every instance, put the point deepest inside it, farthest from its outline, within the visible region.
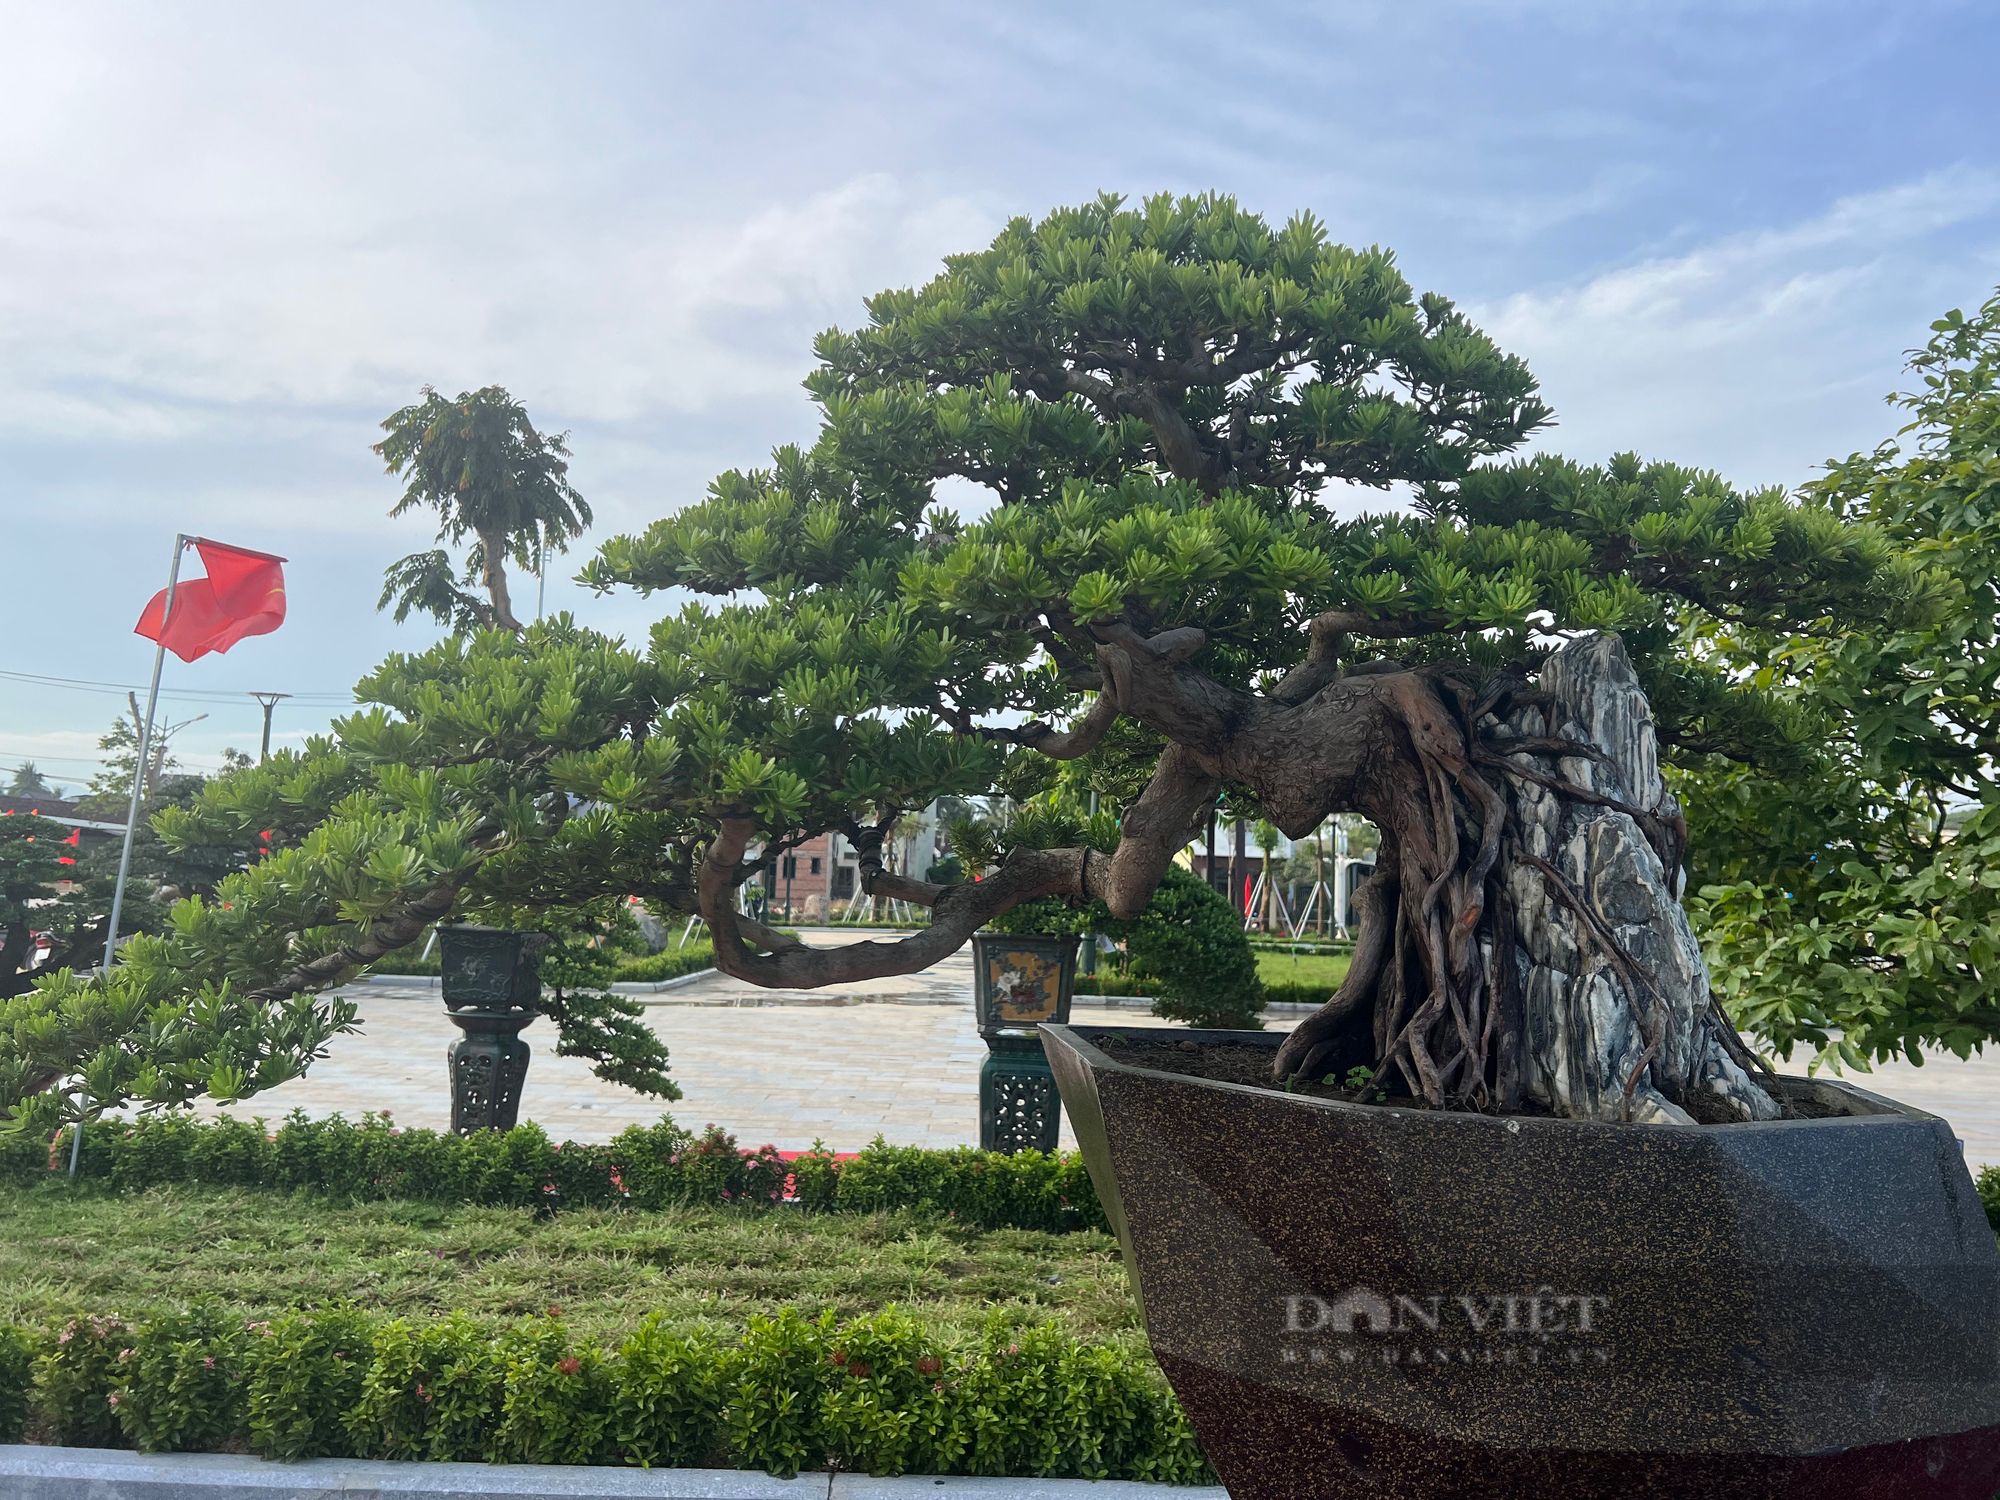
(30, 1472)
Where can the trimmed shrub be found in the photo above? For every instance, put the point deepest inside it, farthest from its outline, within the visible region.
(1988, 1184)
(150, 1149)
(181, 1384)
(886, 1409)
(883, 1394)
(648, 1162)
(558, 1402)
(983, 1189)
(24, 1156)
(78, 1379)
(434, 1391)
(94, 1161)
(1187, 949)
(1189, 942)
(816, 1179)
(782, 1366)
(671, 1398)
(307, 1370)
(228, 1153)
(668, 963)
(651, 1167)
(17, 1380)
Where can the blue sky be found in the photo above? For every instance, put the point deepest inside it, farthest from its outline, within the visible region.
(233, 237)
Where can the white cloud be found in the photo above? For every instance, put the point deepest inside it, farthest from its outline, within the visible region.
(1763, 353)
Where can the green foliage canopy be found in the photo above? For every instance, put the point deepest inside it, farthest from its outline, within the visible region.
(1850, 896)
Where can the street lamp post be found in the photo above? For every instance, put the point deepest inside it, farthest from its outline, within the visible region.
(270, 701)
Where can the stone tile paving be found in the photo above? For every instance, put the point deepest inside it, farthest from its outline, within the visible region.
(896, 1056)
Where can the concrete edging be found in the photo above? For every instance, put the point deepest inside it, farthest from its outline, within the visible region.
(659, 986)
(29, 1472)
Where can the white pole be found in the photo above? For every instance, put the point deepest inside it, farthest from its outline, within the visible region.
(132, 811)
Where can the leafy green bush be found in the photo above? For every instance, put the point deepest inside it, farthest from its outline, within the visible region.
(307, 1369)
(77, 1381)
(886, 1409)
(883, 1394)
(181, 1383)
(17, 1380)
(558, 1402)
(781, 1367)
(433, 1391)
(668, 963)
(649, 1167)
(671, 1398)
(1988, 1184)
(1110, 984)
(984, 1189)
(1189, 941)
(24, 1155)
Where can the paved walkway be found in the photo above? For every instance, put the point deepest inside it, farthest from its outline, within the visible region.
(897, 1057)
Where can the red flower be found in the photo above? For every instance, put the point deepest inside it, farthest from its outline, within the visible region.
(930, 1364)
(569, 1366)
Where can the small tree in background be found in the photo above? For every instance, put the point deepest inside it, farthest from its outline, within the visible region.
(479, 463)
(28, 781)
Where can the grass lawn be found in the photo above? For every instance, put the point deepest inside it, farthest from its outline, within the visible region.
(1302, 968)
(65, 1251)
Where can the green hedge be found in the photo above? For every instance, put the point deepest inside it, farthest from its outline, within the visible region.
(1988, 1183)
(880, 1394)
(650, 1166)
(1281, 992)
(668, 963)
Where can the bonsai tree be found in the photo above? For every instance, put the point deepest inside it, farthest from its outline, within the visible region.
(1158, 400)
(1161, 402)
(480, 464)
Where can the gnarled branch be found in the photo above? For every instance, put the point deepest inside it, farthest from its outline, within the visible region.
(384, 936)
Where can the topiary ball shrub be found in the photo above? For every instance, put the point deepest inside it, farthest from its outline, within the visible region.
(1189, 941)
(181, 1383)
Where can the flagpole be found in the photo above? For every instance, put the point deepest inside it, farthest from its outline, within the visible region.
(132, 809)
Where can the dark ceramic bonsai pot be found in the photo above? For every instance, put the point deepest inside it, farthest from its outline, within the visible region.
(1400, 1304)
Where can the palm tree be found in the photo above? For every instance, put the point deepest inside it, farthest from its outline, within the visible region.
(478, 462)
(28, 781)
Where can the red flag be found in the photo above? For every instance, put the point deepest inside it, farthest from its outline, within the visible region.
(244, 594)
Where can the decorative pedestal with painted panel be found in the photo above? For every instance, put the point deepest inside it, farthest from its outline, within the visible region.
(1019, 982)
(492, 990)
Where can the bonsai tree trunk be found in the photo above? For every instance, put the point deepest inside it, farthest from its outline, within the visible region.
(1522, 940)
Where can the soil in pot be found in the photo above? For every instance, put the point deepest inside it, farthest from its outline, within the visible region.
(1249, 1063)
